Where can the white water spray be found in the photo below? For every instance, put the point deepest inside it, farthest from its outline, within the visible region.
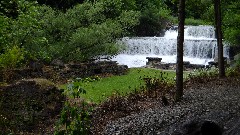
(200, 47)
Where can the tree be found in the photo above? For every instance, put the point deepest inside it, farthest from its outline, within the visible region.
(60, 4)
(231, 21)
(180, 40)
(86, 31)
(9, 8)
(154, 15)
(218, 23)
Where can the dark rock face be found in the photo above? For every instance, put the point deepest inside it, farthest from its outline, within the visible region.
(57, 63)
(29, 106)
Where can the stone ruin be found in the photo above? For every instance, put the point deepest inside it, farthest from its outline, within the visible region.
(155, 62)
(58, 71)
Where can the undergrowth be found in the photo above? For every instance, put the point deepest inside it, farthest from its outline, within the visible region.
(76, 119)
(75, 115)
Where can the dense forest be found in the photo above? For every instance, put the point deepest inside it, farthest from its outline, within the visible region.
(79, 30)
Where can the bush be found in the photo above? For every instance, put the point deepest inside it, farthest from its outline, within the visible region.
(231, 72)
(194, 22)
(85, 31)
(12, 58)
(202, 75)
(74, 119)
(161, 84)
(231, 22)
(154, 15)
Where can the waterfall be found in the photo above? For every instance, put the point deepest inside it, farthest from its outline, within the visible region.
(200, 47)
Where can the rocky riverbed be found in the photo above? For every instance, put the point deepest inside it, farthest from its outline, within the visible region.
(207, 106)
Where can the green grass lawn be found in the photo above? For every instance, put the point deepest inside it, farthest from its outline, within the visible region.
(98, 91)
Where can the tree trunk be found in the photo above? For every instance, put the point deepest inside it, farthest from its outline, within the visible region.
(218, 24)
(180, 40)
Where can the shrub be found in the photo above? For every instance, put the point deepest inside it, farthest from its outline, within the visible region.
(85, 31)
(195, 22)
(154, 15)
(74, 118)
(202, 75)
(12, 58)
(153, 84)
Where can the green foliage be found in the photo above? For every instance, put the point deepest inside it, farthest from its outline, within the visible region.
(9, 8)
(231, 22)
(75, 87)
(230, 17)
(195, 8)
(208, 14)
(232, 71)
(154, 15)
(4, 32)
(74, 119)
(12, 58)
(94, 41)
(90, 29)
(85, 31)
(195, 22)
(204, 10)
(162, 83)
(237, 63)
(203, 73)
(89, 79)
(23, 31)
(60, 5)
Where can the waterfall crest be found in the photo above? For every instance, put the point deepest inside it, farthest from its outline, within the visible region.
(200, 47)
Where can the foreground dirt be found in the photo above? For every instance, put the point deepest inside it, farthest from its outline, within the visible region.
(153, 112)
(207, 99)
(29, 106)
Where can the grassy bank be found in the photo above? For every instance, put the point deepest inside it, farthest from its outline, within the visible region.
(97, 91)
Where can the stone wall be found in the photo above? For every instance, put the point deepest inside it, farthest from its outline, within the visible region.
(63, 72)
(155, 62)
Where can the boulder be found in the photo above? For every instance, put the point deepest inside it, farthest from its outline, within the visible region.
(213, 63)
(186, 63)
(29, 106)
(36, 65)
(199, 127)
(57, 63)
(153, 61)
(237, 57)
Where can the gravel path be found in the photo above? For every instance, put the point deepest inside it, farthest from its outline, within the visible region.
(218, 101)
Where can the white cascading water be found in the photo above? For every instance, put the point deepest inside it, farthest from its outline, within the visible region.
(200, 47)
